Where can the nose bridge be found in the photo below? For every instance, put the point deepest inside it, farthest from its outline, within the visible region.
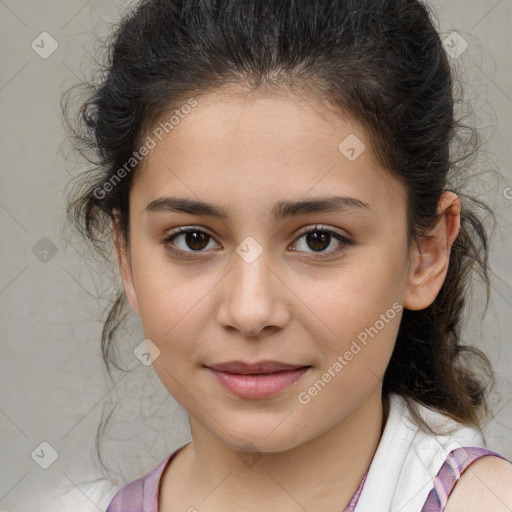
(251, 273)
(251, 300)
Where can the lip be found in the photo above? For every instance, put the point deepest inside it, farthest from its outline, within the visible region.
(259, 380)
(243, 368)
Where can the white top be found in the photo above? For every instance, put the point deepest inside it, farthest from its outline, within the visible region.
(407, 459)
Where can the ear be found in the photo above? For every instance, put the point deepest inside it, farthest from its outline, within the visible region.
(429, 259)
(123, 258)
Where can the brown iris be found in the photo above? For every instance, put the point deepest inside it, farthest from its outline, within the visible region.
(316, 240)
(196, 240)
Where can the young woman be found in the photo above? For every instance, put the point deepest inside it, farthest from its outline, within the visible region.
(275, 176)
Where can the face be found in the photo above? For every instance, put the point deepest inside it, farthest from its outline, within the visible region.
(316, 287)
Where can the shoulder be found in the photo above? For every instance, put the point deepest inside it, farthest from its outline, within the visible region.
(485, 485)
(129, 495)
(84, 496)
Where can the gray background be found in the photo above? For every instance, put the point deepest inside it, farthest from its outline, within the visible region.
(53, 385)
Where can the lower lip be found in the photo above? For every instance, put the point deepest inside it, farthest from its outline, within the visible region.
(258, 386)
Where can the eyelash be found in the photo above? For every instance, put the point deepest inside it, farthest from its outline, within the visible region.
(344, 242)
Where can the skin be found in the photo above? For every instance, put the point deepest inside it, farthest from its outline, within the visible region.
(485, 485)
(290, 304)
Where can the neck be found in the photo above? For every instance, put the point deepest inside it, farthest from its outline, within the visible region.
(321, 473)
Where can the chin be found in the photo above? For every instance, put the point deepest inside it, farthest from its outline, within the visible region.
(270, 436)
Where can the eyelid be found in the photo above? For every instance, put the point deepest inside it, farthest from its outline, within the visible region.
(321, 227)
(186, 229)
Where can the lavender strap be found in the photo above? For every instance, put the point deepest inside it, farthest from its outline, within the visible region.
(141, 495)
(353, 501)
(456, 463)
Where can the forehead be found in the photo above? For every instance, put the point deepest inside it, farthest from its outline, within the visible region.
(274, 145)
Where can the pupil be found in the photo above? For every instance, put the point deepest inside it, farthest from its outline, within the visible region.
(316, 240)
(196, 237)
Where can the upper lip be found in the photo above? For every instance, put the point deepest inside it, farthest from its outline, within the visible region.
(244, 368)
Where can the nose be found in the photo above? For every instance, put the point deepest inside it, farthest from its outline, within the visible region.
(254, 298)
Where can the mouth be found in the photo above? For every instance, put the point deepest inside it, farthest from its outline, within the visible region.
(259, 380)
(262, 367)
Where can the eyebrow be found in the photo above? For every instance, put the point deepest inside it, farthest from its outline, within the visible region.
(280, 210)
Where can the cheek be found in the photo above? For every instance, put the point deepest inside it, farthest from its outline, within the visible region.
(170, 297)
(171, 306)
(173, 312)
(367, 285)
(356, 310)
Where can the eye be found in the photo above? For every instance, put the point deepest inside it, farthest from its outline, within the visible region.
(194, 238)
(319, 238)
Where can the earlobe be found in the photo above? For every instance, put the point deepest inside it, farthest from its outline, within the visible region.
(431, 255)
(123, 259)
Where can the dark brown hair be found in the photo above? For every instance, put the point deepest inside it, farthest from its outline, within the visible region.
(380, 61)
